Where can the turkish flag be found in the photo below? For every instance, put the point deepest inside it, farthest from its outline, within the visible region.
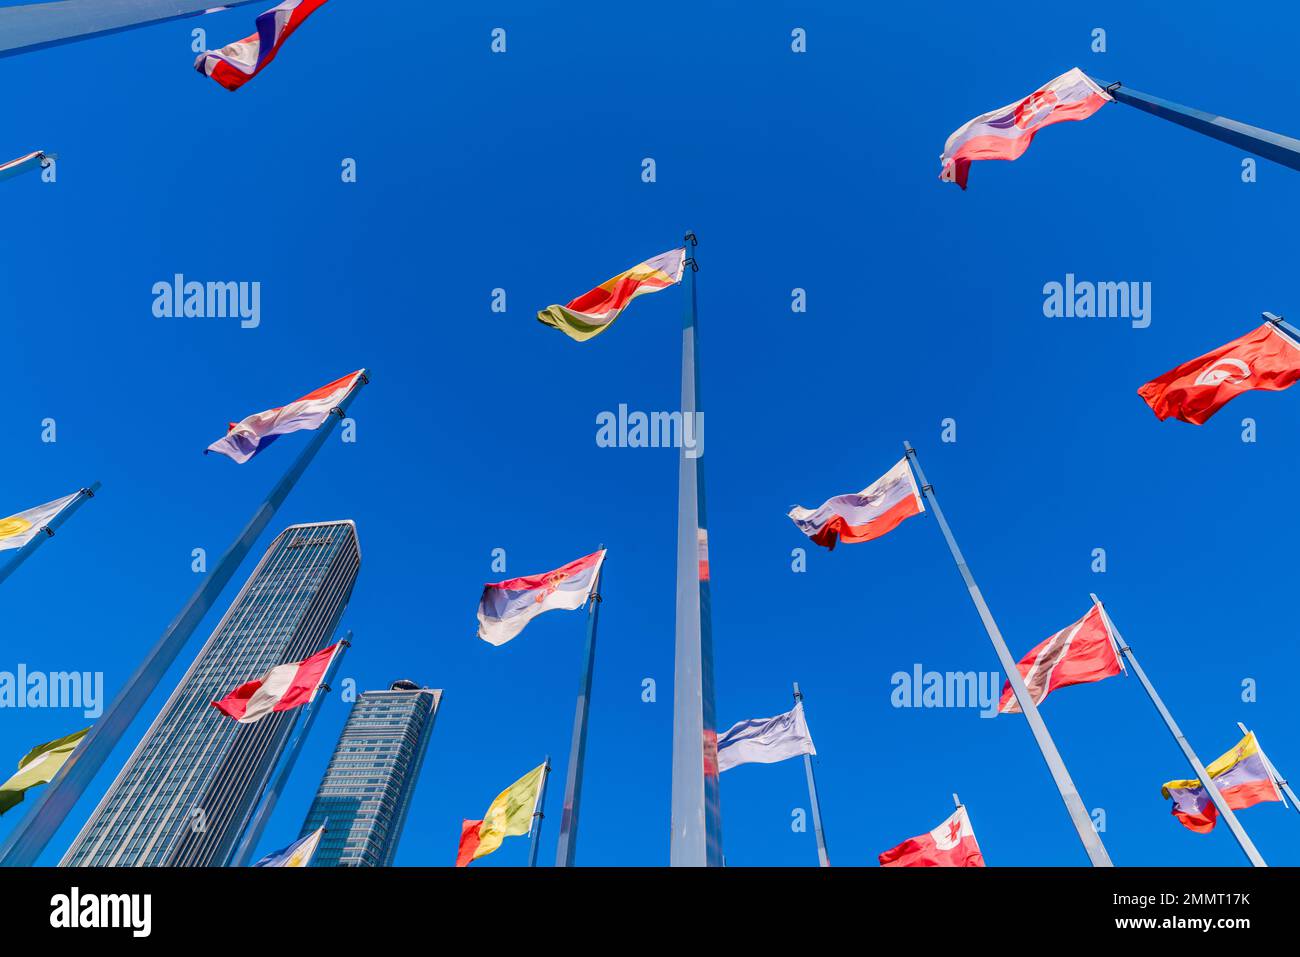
(1075, 655)
(1264, 359)
(951, 844)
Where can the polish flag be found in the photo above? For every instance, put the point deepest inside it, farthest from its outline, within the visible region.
(1005, 134)
(951, 844)
(234, 65)
(245, 439)
(280, 689)
(1079, 654)
(506, 607)
(1266, 358)
(862, 516)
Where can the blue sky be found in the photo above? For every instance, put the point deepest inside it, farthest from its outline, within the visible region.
(522, 171)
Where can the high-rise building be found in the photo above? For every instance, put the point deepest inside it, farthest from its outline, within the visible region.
(188, 791)
(366, 792)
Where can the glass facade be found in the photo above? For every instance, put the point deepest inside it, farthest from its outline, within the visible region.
(366, 792)
(187, 793)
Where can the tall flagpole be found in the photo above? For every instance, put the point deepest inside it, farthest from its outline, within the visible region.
(539, 813)
(1069, 794)
(1210, 788)
(49, 529)
(567, 849)
(1277, 777)
(1252, 139)
(696, 825)
(823, 858)
(36, 25)
(47, 813)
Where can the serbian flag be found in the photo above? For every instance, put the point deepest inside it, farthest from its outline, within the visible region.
(864, 515)
(234, 65)
(1243, 776)
(1264, 359)
(1006, 133)
(506, 607)
(245, 439)
(22, 164)
(280, 689)
(593, 312)
(1078, 654)
(951, 844)
(510, 815)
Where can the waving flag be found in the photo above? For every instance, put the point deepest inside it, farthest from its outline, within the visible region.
(1080, 653)
(280, 689)
(1005, 134)
(22, 164)
(297, 854)
(951, 844)
(17, 530)
(234, 65)
(1266, 358)
(245, 439)
(593, 312)
(38, 766)
(765, 740)
(506, 607)
(1242, 777)
(510, 815)
(864, 515)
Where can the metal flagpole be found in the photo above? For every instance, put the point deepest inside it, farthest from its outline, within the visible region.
(1277, 778)
(49, 529)
(1252, 139)
(1282, 324)
(696, 824)
(265, 802)
(567, 849)
(34, 26)
(823, 858)
(1069, 794)
(48, 811)
(539, 812)
(1220, 804)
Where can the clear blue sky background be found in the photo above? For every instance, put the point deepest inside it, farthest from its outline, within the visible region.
(522, 171)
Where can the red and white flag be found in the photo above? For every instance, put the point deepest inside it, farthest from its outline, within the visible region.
(506, 607)
(951, 844)
(1082, 653)
(245, 439)
(234, 65)
(862, 516)
(1266, 358)
(1005, 134)
(280, 689)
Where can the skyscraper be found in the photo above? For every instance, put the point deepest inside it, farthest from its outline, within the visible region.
(187, 793)
(367, 787)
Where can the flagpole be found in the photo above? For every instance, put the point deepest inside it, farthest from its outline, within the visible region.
(25, 843)
(696, 823)
(49, 529)
(1281, 323)
(34, 26)
(823, 858)
(1219, 803)
(1277, 777)
(1069, 794)
(567, 849)
(539, 813)
(1273, 146)
(267, 797)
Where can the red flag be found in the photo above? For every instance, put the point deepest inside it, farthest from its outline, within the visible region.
(1080, 653)
(280, 689)
(1264, 359)
(951, 844)
(469, 841)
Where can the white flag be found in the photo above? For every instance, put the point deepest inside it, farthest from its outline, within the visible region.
(765, 740)
(17, 530)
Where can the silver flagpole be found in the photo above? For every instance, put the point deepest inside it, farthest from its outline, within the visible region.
(61, 516)
(823, 858)
(1069, 794)
(34, 26)
(1220, 804)
(539, 813)
(1277, 778)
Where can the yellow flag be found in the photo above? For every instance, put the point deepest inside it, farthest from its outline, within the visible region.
(38, 766)
(511, 813)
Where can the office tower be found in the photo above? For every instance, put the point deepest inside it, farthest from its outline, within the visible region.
(367, 788)
(188, 791)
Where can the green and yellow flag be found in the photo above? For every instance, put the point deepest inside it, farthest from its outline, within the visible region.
(39, 766)
(511, 814)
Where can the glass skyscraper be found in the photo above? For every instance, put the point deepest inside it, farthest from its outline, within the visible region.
(366, 792)
(188, 792)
